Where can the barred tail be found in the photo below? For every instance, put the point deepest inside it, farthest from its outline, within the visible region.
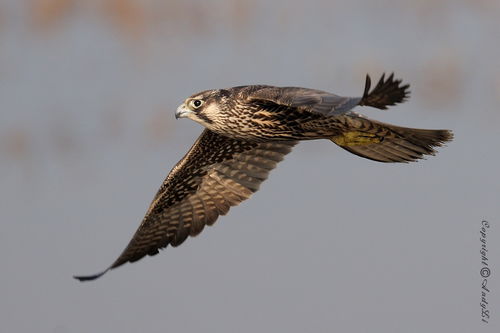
(386, 92)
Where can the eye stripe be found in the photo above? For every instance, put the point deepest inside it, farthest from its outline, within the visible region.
(204, 118)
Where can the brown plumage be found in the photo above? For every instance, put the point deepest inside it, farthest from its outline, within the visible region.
(249, 129)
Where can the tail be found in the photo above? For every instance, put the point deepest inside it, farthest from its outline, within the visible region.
(386, 92)
(389, 143)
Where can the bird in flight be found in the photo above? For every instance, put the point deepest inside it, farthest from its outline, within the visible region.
(249, 129)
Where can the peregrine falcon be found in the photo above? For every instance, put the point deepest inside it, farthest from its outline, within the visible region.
(248, 130)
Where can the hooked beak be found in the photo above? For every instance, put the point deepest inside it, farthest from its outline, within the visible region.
(182, 112)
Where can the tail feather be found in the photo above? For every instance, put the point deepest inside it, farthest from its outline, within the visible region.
(386, 92)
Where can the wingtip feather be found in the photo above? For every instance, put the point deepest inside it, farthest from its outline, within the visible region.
(83, 278)
(388, 91)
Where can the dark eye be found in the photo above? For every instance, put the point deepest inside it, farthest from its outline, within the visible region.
(195, 103)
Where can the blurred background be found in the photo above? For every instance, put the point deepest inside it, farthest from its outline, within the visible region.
(332, 242)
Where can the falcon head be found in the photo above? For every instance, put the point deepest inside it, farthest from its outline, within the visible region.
(229, 112)
(206, 108)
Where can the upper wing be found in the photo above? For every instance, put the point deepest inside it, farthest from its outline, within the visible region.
(386, 92)
(311, 100)
(216, 173)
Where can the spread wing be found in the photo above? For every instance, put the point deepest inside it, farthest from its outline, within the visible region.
(385, 93)
(216, 173)
(389, 143)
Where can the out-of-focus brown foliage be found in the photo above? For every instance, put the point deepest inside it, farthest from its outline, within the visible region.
(241, 13)
(442, 81)
(485, 5)
(16, 144)
(128, 15)
(46, 13)
(134, 18)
